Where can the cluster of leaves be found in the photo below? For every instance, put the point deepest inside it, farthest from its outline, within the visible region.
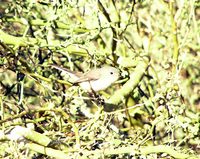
(151, 112)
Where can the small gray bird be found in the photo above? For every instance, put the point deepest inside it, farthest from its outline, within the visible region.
(93, 80)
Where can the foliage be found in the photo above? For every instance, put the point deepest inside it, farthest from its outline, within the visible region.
(152, 112)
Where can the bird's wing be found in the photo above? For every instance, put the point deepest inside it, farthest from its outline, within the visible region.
(89, 76)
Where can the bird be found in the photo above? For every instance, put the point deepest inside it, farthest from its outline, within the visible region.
(94, 80)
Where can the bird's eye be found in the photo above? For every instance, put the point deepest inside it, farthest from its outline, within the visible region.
(111, 73)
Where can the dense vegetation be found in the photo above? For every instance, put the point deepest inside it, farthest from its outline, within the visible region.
(152, 112)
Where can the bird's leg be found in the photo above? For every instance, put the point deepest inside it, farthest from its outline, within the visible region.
(94, 93)
(97, 98)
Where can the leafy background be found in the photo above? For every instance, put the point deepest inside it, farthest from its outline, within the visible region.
(152, 112)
